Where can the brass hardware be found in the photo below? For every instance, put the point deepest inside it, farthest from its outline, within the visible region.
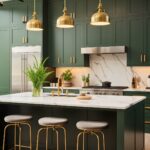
(22, 19)
(65, 21)
(141, 56)
(25, 19)
(23, 40)
(97, 19)
(144, 57)
(18, 125)
(70, 60)
(54, 128)
(58, 60)
(93, 132)
(74, 60)
(34, 24)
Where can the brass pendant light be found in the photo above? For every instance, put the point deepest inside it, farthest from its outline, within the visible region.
(34, 24)
(65, 21)
(100, 18)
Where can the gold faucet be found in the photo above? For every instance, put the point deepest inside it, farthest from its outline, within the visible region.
(59, 86)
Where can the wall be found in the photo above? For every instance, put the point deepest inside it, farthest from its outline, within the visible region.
(108, 67)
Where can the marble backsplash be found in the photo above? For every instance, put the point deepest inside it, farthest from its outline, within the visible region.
(108, 67)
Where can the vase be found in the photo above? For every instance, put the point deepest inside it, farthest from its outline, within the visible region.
(36, 91)
(67, 84)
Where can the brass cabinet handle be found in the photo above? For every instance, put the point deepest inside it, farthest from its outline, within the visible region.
(58, 60)
(23, 40)
(70, 60)
(25, 19)
(74, 60)
(144, 57)
(141, 57)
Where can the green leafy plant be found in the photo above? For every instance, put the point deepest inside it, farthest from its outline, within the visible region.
(86, 78)
(67, 75)
(37, 74)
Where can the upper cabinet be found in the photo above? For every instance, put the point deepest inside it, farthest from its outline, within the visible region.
(21, 12)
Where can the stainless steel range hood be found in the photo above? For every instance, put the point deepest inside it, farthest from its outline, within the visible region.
(103, 50)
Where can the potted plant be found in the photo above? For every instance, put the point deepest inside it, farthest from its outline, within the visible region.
(37, 75)
(86, 80)
(67, 77)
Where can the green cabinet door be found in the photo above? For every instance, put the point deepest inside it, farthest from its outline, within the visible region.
(80, 41)
(136, 43)
(19, 37)
(69, 47)
(5, 16)
(55, 47)
(5, 61)
(19, 13)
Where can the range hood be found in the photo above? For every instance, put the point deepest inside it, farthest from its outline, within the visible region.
(103, 50)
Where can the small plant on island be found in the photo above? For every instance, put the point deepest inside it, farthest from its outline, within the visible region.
(67, 77)
(37, 74)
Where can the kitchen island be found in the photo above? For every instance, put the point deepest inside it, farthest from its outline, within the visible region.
(125, 115)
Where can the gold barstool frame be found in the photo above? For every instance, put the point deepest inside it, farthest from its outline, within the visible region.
(18, 125)
(92, 132)
(54, 128)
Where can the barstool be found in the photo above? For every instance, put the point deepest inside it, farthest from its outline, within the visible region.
(17, 121)
(91, 127)
(54, 124)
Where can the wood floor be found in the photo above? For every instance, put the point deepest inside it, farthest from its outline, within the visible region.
(147, 141)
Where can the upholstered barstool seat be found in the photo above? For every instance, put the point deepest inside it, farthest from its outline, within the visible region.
(16, 118)
(91, 125)
(93, 128)
(50, 121)
(53, 123)
(17, 121)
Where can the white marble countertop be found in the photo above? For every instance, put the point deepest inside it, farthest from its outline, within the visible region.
(97, 101)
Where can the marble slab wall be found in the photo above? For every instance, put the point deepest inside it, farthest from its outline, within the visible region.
(108, 67)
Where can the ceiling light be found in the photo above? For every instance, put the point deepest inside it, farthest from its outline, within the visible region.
(34, 24)
(100, 18)
(65, 21)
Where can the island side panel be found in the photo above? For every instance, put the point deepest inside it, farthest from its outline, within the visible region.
(130, 128)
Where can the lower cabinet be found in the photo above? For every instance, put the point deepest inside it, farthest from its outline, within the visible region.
(147, 104)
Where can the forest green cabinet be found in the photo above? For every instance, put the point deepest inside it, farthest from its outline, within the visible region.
(147, 104)
(19, 13)
(5, 61)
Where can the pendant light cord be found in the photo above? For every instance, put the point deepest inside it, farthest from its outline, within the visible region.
(65, 7)
(34, 5)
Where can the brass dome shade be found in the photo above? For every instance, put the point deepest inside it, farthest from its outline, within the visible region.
(100, 18)
(65, 21)
(34, 24)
